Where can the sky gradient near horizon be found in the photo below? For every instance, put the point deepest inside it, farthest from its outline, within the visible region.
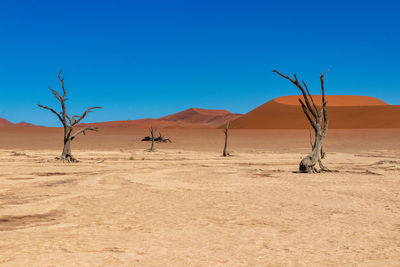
(143, 59)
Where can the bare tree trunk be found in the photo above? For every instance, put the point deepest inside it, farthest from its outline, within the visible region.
(66, 153)
(152, 144)
(319, 122)
(224, 153)
(152, 134)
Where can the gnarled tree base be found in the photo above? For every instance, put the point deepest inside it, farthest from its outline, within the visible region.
(67, 158)
(307, 165)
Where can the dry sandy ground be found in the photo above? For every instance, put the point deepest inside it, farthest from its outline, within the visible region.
(184, 205)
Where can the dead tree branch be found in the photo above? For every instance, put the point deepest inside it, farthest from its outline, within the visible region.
(162, 139)
(83, 131)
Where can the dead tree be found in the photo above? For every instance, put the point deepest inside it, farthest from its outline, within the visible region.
(224, 153)
(152, 134)
(68, 122)
(319, 122)
(159, 139)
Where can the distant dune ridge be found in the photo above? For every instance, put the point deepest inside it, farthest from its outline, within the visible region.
(344, 112)
(190, 118)
(4, 122)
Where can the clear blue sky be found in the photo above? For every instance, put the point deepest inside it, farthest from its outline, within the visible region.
(151, 58)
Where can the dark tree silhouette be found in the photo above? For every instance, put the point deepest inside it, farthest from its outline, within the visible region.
(68, 122)
(161, 138)
(319, 122)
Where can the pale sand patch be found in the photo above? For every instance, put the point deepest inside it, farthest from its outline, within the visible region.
(179, 207)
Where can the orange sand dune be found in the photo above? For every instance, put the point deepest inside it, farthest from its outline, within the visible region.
(190, 118)
(335, 100)
(201, 116)
(345, 112)
(24, 124)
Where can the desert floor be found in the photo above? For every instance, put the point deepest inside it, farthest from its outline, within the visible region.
(186, 205)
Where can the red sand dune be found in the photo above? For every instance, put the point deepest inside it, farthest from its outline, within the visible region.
(24, 124)
(190, 118)
(344, 112)
(4, 122)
